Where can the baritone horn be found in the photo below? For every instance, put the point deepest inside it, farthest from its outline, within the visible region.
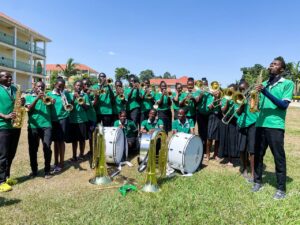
(151, 180)
(98, 160)
(19, 109)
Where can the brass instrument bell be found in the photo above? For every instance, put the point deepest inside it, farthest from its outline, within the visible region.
(47, 100)
(80, 100)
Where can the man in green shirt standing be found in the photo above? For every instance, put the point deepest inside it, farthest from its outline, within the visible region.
(183, 124)
(9, 136)
(39, 127)
(276, 94)
(103, 102)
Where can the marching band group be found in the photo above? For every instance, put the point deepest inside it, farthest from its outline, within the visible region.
(224, 118)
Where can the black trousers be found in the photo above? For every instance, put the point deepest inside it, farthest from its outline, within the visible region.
(274, 138)
(135, 115)
(107, 120)
(9, 139)
(202, 121)
(34, 137)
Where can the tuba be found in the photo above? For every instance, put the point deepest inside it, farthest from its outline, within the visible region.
(151, 180)
(18, 109)
(254, 95)
(98, 160)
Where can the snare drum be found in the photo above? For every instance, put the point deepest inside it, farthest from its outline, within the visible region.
(185, 152)
(115, 144)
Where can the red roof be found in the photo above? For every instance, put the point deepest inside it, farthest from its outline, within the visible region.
(53, 67)
(182, 80)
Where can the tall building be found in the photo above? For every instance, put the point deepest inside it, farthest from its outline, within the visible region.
(22, 52)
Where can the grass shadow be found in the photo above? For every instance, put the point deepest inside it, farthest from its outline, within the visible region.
(8, 202)
(270, 178)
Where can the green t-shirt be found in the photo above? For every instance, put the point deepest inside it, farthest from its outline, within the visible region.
(104, 105)
(130, 128)
(119, 105)
(164, 105)
(185, 128)
(202, 106)
(146, 103)
(246, 118)
(270, 115)
(175, 105)
(134, 101)
(211, 100)
(191, 108)
(7, 100)
(58, 111)
(157, 123)
(78, 114)
(40, 115)
(90, 112)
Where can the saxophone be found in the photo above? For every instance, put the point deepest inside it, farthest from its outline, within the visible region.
(254, 95)
(18, 109)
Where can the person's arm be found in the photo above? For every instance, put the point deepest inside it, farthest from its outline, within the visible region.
(11, 115)
(160, 101)
(32, 105)
(200, 97)
(192, 126)
(282, 104)
(111, 94)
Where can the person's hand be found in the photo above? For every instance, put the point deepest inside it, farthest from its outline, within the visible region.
(53, 101)
(10, 116)
(151, 131)
(76, 95)
(22, 101)
(41, 95)
(121, 126)
(259, 87)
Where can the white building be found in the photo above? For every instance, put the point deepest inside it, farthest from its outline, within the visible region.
(22, 52)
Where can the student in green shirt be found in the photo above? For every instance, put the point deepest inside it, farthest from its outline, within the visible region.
(90, 112)
(104, 101)
(175, 100)
(147, 100)
(203, 111)
(228, 132)
(163, 100)
(129, 129)
(183, 124)
(276, 94)
(60, 112)
(39, 127)
(246, 133)
(9, 136)
(132, 95)
(78, 120)
(149, 125)
(120, 100)
(188, 101)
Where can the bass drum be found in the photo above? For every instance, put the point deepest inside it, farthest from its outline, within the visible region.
(185, 152)
(115, 144)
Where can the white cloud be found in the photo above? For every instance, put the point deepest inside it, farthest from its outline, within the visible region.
(111, 53)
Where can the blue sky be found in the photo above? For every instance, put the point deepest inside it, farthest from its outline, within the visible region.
(189, 37)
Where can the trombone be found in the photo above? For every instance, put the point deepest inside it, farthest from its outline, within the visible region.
(239, 99)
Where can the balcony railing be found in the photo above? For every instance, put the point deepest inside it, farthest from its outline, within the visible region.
(6, 62)
(39, 51)
(23, 45)
(23, 66)
(6, 38)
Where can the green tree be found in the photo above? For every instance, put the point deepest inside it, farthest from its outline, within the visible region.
(293, 73)
(53, 78)
(146, 74)
(250, 74)
(70, 68)
(121, 73)
(168, 75)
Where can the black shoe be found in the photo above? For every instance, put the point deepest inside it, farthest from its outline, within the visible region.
(279, 195)
(256, 187)
(250, 180)
(33, 174)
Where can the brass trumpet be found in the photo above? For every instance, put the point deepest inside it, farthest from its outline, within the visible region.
(68, 107)
(109, 81)
(121, 96)
(214, 86)
(143, 85)
(97, 91)
(80, 100)
(47, 100)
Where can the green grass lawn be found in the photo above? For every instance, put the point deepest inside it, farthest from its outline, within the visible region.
(215, 195)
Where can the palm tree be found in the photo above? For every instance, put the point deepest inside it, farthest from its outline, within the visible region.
(294, 74)
(70, 68)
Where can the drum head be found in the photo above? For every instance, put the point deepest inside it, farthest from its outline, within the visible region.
(193, 154)
(119, 146)
(115, 143)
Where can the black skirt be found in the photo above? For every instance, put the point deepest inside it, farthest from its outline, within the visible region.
(246, 139)
(228, 140)
(78, 132)
(60, 130)
(166, 117)
(202, 121)
(213, 127)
